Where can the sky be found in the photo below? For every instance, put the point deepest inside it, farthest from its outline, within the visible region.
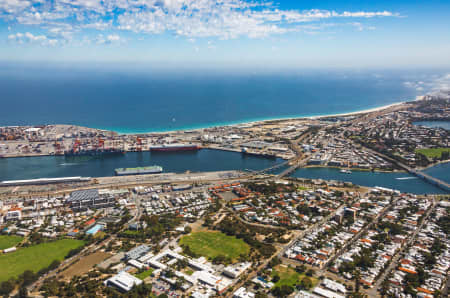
(231, 33)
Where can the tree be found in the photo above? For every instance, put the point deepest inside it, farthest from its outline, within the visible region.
(357, 276)
(187, 229)
(6, 287)
(306, 283)
(274, 262)
(28, 277)
(276, 278)
(310, 272)
(282, 291)
(301, 268)
(23, 292)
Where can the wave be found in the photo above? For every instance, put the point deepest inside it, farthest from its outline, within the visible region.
(69, 164)
(406, 178)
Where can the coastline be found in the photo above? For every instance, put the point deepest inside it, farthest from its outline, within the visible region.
(256, 121)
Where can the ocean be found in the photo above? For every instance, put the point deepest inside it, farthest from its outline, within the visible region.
(129, 101)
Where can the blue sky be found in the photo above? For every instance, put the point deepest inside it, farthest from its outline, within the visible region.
(288, 33)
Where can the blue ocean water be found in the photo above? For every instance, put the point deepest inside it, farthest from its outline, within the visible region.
(141, 101)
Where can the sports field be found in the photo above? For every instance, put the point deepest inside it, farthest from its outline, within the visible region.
(35, 257)
(433, 152)
(9, 241)
(211, 244)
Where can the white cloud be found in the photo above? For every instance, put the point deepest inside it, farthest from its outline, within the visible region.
(109, 39)
(224, 19)
(29, 38)
(13, 6)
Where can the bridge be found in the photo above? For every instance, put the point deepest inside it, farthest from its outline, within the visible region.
(432, 180)
(437, 182)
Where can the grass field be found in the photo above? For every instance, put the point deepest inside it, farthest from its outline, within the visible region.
(433, 152)
(35, 257)
(212, 244)
(288, 276)
(9, 241)
(145, 274)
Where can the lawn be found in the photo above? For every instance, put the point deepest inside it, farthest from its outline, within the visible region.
(433, 152)
(9, 241)
(35, 257)
(143, 275)
(211, 244)
(288, 276)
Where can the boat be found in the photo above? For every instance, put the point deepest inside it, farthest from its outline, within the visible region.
(344, 171)
(93, 152)
(175, 147)
(138, 170)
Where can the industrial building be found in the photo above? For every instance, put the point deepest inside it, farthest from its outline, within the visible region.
(82, 200)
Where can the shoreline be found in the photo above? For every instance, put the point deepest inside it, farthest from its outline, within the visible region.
(257, 121)
(354, 169)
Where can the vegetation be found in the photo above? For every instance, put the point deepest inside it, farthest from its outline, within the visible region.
(435, 153)
(7, 241)
(214, 245)
(286, 276)
(88, 287)
(233, 227)
(144, 274)
(35, 258)
(157, 228)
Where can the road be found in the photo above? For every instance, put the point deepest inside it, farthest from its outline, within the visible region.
(280, 251)
(374, 291)
(361, 232)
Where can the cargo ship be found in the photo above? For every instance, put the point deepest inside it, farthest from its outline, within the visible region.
(93, 152)
(138, 171)
(175, 147)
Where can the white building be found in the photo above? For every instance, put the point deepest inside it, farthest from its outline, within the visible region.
(123, 281)
(243, 293)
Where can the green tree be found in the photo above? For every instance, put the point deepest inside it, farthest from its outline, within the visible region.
(6, 287)
(306, 283)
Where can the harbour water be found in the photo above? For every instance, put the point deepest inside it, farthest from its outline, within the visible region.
(403, 182)
(440, 171)
(205, 160)
(178, 162)
(434, 124)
